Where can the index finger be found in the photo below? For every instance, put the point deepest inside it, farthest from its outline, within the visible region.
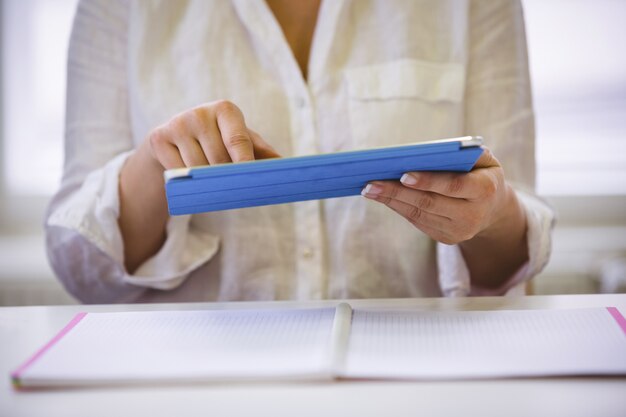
(234, 132)
(262, 149)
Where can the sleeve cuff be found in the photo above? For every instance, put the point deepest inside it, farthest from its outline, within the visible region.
(454, 276)
(93, 212)
(183, 251)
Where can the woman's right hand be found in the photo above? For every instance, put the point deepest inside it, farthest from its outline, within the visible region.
(212, 133)
(209, 134)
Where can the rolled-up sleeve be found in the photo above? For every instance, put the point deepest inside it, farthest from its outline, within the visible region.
(498, 106)
(454, 275)
(84, 242)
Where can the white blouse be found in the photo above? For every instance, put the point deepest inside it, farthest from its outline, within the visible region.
(380, 73)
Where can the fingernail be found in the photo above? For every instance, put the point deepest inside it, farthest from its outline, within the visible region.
(371, 189)
(408, 179)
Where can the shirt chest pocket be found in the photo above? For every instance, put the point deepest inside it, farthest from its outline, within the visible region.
(405, 101)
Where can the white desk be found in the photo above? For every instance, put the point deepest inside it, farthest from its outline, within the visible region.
(25, 329)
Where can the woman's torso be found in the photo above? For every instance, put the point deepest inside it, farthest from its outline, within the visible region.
(380, 73)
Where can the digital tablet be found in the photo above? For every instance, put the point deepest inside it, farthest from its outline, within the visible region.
(286, 180)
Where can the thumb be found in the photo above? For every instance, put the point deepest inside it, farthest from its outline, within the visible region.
(262, 149)
(486, 160)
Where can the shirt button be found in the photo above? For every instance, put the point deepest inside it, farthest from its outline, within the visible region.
(301, 102)
(307, 253)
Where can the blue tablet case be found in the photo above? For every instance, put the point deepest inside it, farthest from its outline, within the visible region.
(286, 180)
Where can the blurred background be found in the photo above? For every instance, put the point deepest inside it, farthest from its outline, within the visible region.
(578, 65)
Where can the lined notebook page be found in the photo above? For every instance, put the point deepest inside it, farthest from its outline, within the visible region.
(485, 344)
(189, 346)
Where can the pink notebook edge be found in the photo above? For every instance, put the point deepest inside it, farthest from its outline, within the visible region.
(618, 317)
(16, 374)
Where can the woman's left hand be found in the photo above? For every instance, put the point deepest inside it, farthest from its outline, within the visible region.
(450, 207)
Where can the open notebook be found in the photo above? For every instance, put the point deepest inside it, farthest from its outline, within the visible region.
(192, 346)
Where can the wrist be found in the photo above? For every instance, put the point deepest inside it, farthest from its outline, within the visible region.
(510, 218)
(142, 178)
(504, 240)
(147, 161)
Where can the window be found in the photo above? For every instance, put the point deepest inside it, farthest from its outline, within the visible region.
(579, 82)
(34, 47)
